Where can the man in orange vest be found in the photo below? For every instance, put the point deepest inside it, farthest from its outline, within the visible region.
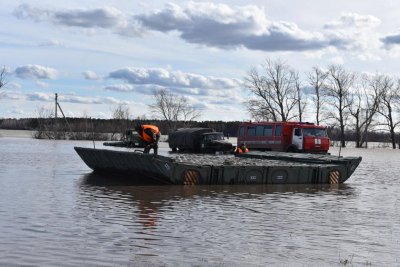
(242, 148)
(150, 135)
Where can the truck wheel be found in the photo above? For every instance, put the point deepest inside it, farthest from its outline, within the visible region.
(291, 149)
(210, 151)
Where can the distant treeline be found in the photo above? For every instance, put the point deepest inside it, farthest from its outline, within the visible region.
(351, 135)
(114, 129)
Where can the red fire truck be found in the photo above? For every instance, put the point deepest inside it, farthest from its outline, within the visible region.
(284, 136)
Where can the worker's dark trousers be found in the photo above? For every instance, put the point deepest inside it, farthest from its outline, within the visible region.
(148, 147)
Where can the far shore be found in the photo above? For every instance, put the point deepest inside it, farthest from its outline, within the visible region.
(16, 133)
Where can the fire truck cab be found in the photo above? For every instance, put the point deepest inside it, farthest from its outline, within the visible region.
(284, 136)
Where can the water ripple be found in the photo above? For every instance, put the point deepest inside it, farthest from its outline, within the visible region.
(55, 212)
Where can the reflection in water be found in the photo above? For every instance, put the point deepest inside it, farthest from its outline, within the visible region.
(223, 216)
(147, 215)
(127, 185)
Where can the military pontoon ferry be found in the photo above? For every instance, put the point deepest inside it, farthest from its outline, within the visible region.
(253, 167)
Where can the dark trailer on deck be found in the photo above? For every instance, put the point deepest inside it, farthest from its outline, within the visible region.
(203, 140)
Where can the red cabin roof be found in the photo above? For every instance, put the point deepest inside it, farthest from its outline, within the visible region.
(302, 124)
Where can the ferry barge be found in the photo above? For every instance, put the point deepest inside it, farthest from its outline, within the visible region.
(254, 167)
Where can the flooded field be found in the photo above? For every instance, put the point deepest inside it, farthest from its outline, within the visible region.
(54, 211)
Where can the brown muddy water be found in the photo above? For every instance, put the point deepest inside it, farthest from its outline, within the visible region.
(54, 211)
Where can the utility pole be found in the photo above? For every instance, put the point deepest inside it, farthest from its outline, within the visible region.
(55, 119)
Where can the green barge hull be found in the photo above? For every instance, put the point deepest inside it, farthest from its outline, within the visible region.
(249, 168)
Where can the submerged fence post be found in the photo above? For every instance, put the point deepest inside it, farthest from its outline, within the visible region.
(55, 118)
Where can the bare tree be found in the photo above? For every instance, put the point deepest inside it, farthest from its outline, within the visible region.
(367, 98)
(301, 99)
(274, 90)
(3, 78)
(121, 115)
(389, 106)
(85, 115)
(189, 114)
(168, 105)
(338, 91)
(44, 116)
(257, 110)
(142, 117)
(316, 78)
(173, 107)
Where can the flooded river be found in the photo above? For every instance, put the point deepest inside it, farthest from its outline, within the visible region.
(55, 212)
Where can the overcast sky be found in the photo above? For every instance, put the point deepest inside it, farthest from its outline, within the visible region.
(95, 54)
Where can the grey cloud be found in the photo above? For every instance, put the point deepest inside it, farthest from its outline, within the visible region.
(12, 95)
(172, 17)
(36, 72)
(224, 27)
(188, 91)
(101, 17)
(175, 79)
(278, 41)
(26, 11)
(220, 26)
(38, 96)
(13, 86)
(353, 20)
(390, 40)
(90, 75)
(308, 89)
(47, 97)
(92, 100)
(341, 42)
(142, 89)
(125, 88)
(131, 29)
(356, 33)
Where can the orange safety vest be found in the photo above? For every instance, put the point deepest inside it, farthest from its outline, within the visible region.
(241, 151)
(145, 136)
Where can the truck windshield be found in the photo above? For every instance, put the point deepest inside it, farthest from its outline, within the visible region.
(215, 137)
(314, 132)
(131, 132)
